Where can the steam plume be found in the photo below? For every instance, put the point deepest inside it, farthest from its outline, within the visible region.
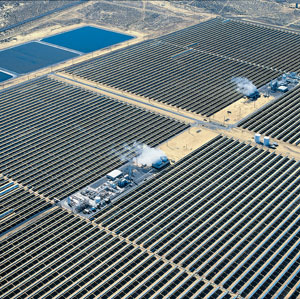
(244, 86)
(140, 154)
(147, 155)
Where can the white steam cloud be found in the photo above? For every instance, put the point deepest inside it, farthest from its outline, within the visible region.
(244, 86)
(147, 155)
(141, 154)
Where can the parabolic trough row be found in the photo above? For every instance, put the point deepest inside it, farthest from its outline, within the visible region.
(17, 205)
(63, 256)
(192, 68)
(228, 212)
(177, 76)
(58, 138)
(254, 43)
(280, 119)
(223, 222)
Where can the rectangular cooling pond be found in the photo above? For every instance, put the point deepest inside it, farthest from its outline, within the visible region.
(4, 76)
(31, 57)
(51, 50)
(87, 39)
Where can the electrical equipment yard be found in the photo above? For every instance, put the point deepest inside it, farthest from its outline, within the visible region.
(131, 174)
(104, 192)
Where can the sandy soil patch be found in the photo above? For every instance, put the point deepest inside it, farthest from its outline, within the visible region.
(186, 142)
(239, 110)
(194, 137)
(56, 29)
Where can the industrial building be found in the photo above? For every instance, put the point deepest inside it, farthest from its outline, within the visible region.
(105, 191)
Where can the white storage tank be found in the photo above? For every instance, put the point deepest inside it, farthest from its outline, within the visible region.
(267, 141)
(257, 138)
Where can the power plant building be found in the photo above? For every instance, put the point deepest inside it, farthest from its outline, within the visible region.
(114, 174)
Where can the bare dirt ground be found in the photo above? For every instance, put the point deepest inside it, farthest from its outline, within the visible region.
(13, 12)
(143, 18)
(186, 142)
(240, 109)
(147, 19)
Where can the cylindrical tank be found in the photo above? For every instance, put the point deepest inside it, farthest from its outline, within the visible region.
(122, 183)
(267, 141)
(257, 138)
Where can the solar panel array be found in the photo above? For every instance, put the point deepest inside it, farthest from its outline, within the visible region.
(17, 205)
(175, 74)
(62, 256)
(257, 44)
(228, 212)
(58, 138)
(280, 119)
(223, 222)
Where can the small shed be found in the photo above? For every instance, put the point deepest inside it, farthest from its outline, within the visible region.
(283, 88)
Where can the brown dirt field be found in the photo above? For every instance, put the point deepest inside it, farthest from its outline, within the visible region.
(186, 142)
(239, 110)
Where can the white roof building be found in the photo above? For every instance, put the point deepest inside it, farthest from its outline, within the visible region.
(283, 88)
(114, 174)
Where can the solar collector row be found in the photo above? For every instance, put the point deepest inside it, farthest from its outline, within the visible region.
(269, 47)
(229, 212)
(59, 137)
(86, 262)
(194, 81)
(279, 119)
(19, 205)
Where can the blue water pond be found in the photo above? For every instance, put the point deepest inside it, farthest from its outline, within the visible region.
(87, 39)
(4, 76)
(32, 56)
